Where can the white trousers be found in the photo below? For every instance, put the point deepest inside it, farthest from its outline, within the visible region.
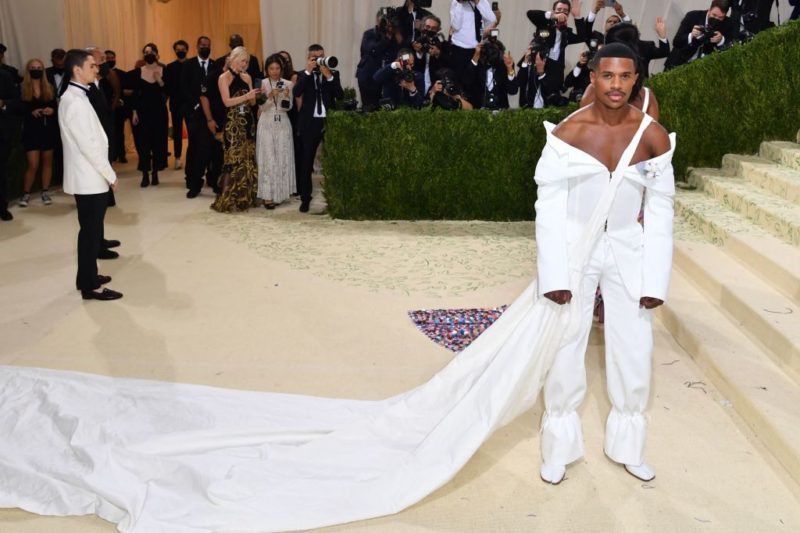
(628, 347)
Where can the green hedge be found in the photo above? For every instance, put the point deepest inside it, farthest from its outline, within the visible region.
(732, 101)
(411, 165)
(434, 164)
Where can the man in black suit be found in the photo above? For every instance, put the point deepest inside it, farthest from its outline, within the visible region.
(253, 68)
(490, 77)
(701, 33)
(648, 50)
(561, 35)
(9, 98)
(55, 73)
(751, 16)
(172, 87)
(434, 54)
(320, 87)
(379, 45)
(411, 16)
(205, 155)
(8, 68)
(539, 81)
(796, 11)
(121, 110)
(400, 82)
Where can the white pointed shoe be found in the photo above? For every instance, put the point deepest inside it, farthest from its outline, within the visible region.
(553, 474)
(644, 472)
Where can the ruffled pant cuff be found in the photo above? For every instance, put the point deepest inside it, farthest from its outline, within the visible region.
(562, 438)
(625, 436)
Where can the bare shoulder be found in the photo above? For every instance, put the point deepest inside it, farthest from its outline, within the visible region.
(657, 139)
(569, 128)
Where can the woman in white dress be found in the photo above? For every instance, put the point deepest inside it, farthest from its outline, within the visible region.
(275, 150)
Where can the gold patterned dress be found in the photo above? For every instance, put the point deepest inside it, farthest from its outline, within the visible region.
(239, 173)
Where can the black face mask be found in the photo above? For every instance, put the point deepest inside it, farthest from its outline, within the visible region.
(36, 74)
(149, 58)
(204, 52)
(181, 54)
(111, 64)
(104, 69)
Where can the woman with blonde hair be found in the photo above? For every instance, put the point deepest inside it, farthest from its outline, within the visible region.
(39, 129)
(239, 173)
(275, 153)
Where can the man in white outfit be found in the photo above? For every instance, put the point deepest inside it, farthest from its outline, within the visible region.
(631, 262)
(87, 173)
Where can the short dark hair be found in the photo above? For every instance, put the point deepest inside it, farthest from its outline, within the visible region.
(235, 40)
(624, 32)
(618, 50)
(316, 48)
(203, 37)
(150, 45)
(275, 58)
(569, 4)
(112, 52)
(75, 58)
(180, 42)
(723, 5)
(58, 53)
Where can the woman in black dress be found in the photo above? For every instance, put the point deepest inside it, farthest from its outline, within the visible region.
(150, 115)
(39, 129)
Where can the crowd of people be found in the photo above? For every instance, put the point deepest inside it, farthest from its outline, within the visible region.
(406, 60)
(254, 132)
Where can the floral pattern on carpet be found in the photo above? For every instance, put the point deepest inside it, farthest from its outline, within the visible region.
(455, 329)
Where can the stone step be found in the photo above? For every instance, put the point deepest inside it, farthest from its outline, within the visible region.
(773, 260)
(776, 179)
(769, 318)
(780, 217)
(782, 152)
(764, 396)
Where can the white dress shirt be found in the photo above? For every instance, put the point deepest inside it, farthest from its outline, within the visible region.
(86, 166)
(462, 21)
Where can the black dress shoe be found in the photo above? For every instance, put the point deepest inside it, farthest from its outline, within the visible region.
(104, 295)
(110, 243)
(154, 181)
(145, 180)
(5, 215)
(304, 205)
(192, 193)
(101, 280)
(107, 254)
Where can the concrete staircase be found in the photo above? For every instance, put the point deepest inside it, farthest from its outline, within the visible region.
(735, 297)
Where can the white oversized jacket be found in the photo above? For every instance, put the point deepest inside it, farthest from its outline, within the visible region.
(86, 166)
(570, 181)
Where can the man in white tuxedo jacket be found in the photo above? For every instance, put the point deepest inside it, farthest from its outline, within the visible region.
(87, 173)
(631, 262)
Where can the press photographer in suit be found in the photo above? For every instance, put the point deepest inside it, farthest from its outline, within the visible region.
(555, 22)
(411, 14)
(701, 33)
(400, 82)
(379, 46)
(539, 79)
(320, 87)
(491, 77)
(432, 50)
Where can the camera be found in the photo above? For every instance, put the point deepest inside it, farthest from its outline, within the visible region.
(491, 50)
(403, 68)
(389, 19)
(543, 41)
(450, 87)
(594, 46)
(329, 62)
(710, 29)
(386, 104)
(429, 39)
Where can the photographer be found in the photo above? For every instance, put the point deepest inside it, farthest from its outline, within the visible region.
(490, 76)
(319, 87)
(701, 33)
(538, 79)
(379, 46)
(446, 93)
(431, 49)
(578, 80)
(411, 16)
(561, 36)
(751, 16)
(468, 19)
(647, 50)
(401, 84)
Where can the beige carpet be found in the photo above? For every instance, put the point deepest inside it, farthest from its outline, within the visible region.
(281, 301)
